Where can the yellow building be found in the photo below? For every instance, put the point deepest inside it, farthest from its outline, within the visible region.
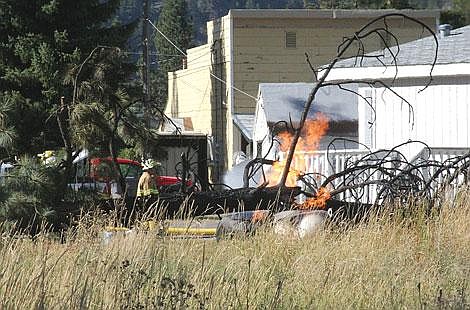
(217, 89)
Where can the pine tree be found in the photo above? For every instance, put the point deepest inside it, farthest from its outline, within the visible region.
(463, 7)
(174, 22)
(397, 4)
(40, 41)
(294, 4)
(250, 4)
(102, 117)
(42, 46)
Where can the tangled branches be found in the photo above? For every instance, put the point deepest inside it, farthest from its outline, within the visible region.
(386, 175)
(381, 176)
(376, 28)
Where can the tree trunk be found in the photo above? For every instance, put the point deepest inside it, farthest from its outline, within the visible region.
(62, 118)
(112, 152)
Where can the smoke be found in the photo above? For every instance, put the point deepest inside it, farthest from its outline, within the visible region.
(234, 177)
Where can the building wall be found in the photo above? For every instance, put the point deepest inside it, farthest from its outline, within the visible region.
(219, 36)
(197, 106)
(200, 91)
(260, 53)
(439, 115)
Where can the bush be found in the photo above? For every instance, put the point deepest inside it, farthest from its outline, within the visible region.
(35, 195)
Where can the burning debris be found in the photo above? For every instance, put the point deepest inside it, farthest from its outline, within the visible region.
(317, 202)
(309, 141)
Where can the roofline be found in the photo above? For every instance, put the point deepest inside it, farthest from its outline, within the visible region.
(235, 122)
(330, 14)
(239, 113)
(182, 135)
(412, 71)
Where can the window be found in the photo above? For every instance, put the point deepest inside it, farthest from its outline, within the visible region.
(291, 39)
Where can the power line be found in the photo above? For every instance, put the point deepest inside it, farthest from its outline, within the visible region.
(212, 74)
(166, 38)
(151, 54)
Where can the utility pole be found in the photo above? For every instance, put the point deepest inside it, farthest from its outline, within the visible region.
(146, 62)
(145, 71)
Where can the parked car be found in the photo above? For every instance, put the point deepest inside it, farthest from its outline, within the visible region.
(99, 174)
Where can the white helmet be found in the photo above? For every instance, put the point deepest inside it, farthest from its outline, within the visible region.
(150, 164)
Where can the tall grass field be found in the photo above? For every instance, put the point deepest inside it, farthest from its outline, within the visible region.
(404, 258)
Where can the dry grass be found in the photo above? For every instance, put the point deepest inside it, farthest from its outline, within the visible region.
(390, 262)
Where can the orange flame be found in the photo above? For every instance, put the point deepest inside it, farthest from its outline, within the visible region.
(313, 131)
(317, 202)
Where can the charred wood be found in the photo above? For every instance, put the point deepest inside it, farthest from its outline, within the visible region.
(217, 202)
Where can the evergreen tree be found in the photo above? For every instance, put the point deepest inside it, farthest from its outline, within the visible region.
(397, 4)
(250, 4)
(463, 7)
(43, 44)
(40, 41)
(294, 4)
(103, 117)
(174, 22)
(312, 4)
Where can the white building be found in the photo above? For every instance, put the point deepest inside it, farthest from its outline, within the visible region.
(437, 115)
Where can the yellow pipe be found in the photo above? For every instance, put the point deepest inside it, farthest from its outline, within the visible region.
(115, 229)
(190, 231)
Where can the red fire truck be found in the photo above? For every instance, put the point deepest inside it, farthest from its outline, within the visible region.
(99, 174)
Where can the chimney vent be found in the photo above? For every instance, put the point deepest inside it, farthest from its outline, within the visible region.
(444, 30)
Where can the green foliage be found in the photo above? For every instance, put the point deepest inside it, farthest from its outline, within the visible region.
(358, 4)
(39, 42)
(29, 196)
(398, 4)
(462, 8)
(30, 199)
(42, 44)
(130, 153)
(103, 100)
(455, 18)
(19, 128)
(8, 135)
(175, 22)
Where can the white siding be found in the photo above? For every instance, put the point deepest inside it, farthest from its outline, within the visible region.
(366, 117)
(440, 113)
(260, 129)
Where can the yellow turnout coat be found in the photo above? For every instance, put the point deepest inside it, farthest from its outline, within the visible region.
(147, 185)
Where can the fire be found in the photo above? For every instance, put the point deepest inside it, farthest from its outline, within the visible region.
(317, 202)
(313, 131)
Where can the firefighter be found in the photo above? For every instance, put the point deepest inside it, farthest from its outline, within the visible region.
(48, 157)
(147, 187)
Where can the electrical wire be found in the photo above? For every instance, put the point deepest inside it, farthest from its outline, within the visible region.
(166, 38)
(212, 74)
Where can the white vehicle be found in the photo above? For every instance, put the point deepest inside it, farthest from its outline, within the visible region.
(5, 169)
